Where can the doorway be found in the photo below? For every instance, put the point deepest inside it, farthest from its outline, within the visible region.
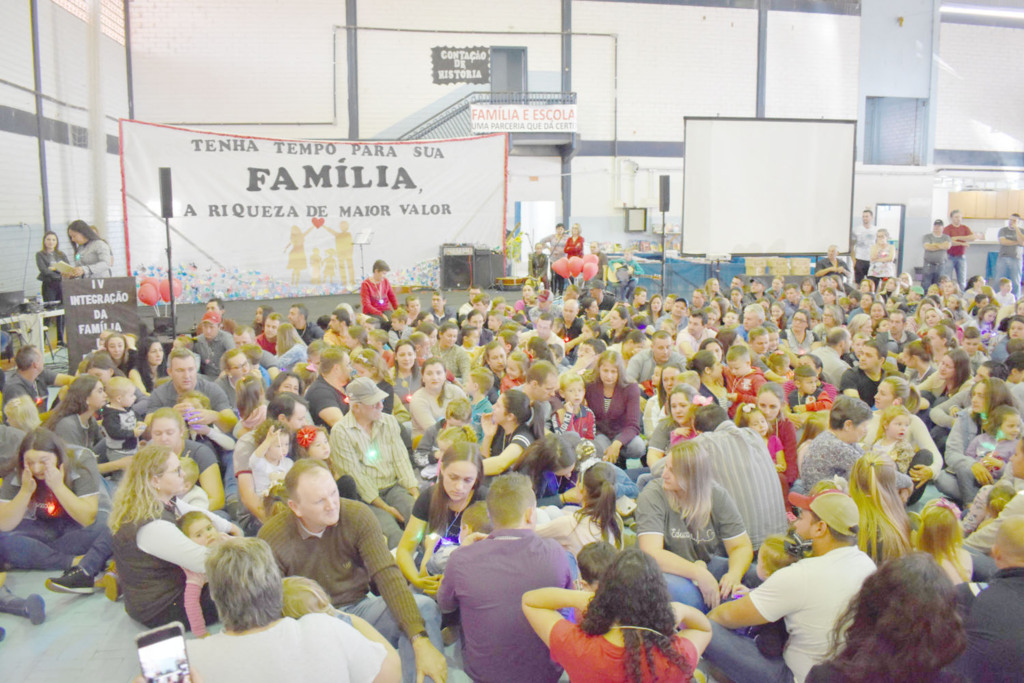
(508, 69)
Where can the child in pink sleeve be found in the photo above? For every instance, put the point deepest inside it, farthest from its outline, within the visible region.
(199, 529)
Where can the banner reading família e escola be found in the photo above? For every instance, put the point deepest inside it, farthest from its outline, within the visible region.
(262, 217)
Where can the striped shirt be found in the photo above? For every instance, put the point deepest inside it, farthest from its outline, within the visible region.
(744, 468)
(376, 461)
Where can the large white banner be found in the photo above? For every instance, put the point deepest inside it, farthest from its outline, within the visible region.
(266, 218)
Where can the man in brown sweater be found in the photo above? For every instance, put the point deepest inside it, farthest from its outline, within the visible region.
(339, 544)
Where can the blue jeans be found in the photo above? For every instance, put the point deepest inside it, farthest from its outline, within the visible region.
(930, 274)
(740, 660)
(957, 269)
(34, 544)
(686, 591)
(1008, 267)
(373, 609)
(635, 449)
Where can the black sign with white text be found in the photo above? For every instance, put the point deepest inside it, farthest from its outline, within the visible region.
(92, 305)
(461, 65)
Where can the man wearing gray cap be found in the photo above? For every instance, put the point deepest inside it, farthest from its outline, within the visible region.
(809, 595)
(369, 444)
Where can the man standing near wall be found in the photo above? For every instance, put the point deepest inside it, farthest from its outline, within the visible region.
(864, 236)
(962, 236)
(936, 247)
(1011, 239)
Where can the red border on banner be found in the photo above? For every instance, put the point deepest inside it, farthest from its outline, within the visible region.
(124, 195)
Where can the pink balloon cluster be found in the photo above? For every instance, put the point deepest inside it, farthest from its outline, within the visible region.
(153, 290)
(573, 266)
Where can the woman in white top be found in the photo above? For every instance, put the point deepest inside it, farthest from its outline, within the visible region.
(429, 402)
(149, 549)
(597, 520)
(654, 411)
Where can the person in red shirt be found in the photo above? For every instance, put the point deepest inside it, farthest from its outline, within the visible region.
(628, 631)
(962, 236)
(267, 339)
(375, 293)
(742, 380)
(574, 245)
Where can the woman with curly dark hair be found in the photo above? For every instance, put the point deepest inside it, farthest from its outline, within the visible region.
(901, 626)
(629, 630)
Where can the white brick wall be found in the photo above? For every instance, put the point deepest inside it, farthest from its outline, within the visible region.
(259, 60)
(64, 41)
(674, 61)
(981, 88)
(812, 65)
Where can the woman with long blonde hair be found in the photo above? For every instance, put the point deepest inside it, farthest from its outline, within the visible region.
(884, 525)
(690, 525)
(149, 549)
(290, 347)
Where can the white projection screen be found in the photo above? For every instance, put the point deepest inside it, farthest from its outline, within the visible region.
(767, 186)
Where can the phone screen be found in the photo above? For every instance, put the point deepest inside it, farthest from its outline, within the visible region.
(162, 655)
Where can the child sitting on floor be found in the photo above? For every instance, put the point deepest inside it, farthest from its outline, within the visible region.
(120, 427)
(196, 401)
(939, 534)
(480, 382)
(593, 560)
(778, 363)
(750, 416)
(742, 380)
(894, 441)
(199, 529)
(304, 596)
(574, 415)
(997, 442)
(808, 396)
(193, 495)
(515, 371)
(776, 552)
(475, 525)
(270, 461)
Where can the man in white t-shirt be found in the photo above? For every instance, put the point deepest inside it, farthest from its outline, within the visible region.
(809, 595)
(864, 234)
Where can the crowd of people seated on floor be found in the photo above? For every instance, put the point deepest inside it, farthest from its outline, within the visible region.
(788, 481)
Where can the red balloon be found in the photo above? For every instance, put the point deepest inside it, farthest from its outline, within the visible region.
(148, 294)
(591, 258)
(561, 267)
(165, 290)
(151, 280)
(575, 265)
(589, 271)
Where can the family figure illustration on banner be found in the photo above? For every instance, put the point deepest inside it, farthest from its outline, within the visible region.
(322, 268)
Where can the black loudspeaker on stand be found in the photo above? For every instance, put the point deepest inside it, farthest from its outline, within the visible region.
(663, 200)
(167, 211)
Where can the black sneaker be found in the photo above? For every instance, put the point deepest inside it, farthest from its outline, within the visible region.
(73, 580)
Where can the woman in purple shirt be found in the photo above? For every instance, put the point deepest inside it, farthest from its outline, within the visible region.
(616, 406)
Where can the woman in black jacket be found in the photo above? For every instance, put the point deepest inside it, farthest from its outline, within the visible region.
(49, 255)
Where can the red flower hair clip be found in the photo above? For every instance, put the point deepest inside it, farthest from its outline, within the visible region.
(306, 436)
